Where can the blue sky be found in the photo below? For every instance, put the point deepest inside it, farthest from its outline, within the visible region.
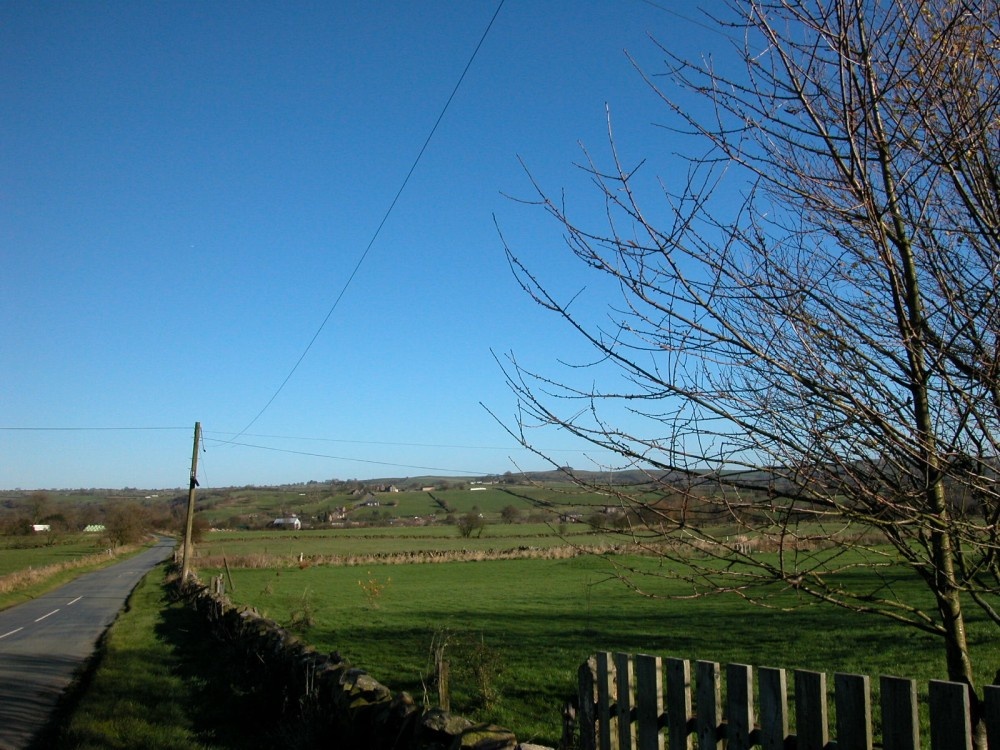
(186, 188)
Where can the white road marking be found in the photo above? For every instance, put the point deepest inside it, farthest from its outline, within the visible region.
(48, 615)
(70, 604)
(11, 632)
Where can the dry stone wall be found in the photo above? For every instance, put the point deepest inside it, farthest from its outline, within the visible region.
(341, 702)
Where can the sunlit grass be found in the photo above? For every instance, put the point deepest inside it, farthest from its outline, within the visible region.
(545, 617)
(393, 540)
(21, 552)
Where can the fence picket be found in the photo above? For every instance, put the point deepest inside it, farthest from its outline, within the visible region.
(991, 714)
(811, 722)
(679, 704)
(625, 682)
(900, 728)
(649, 701)
(852, 693)
(739, 706)
(951, 724)
(708, 700)
(773, 708)
(587, 714)
(605, 692)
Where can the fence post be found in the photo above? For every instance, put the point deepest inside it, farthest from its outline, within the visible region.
(739, 704)
(649, 701)
(708, 711)
(624, 680)
(852, 694)
(951, 721)
(900, 728)
(605, 692)
(773, 708)
(991, 714)
(679, 704)
(812, 730)
(443, 669)
(567, 742)
(585, 713)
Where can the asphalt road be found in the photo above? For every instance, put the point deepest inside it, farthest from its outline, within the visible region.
(43, 642)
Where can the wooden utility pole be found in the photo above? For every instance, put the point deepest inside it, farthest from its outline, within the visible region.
(189, 524)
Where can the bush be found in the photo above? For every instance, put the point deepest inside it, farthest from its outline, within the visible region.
(17, 527)
(469, 523)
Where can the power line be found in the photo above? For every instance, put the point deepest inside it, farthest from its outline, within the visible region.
(381, 224)
(681, 16)
(369, 442)
(468, 472)
(380, 442)
(88, 429)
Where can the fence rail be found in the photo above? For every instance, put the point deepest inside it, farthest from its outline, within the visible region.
(623, 705)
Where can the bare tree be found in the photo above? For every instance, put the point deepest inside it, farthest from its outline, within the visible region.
(125, 523)
(814, 373)
(471, 523)
(510, 514)
(39, 505)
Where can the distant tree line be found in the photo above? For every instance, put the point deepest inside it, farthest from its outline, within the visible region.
(122, 521)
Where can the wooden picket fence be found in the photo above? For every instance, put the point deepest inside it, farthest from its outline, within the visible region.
(623, 706)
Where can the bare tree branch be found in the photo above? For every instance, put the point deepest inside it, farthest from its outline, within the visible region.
(809, 374)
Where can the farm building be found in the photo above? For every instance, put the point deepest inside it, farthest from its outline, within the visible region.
(290, 522)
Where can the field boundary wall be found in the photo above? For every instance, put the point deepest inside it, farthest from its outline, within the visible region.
(344, 702)
(623, 704)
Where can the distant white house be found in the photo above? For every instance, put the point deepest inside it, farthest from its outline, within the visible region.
(291, 522)
(41, 527)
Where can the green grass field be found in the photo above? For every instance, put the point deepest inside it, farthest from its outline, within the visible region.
(20, 552)
(530, 623)
(392, 540)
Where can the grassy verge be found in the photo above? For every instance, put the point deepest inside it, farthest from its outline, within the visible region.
(158, 682)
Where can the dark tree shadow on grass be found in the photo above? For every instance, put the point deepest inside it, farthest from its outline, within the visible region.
(223, 704)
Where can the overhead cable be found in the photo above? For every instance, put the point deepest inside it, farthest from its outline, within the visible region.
(378, 230)
(469, 472)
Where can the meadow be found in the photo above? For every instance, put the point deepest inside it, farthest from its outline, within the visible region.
(360, 544)
(517, 630)
(20, 552)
